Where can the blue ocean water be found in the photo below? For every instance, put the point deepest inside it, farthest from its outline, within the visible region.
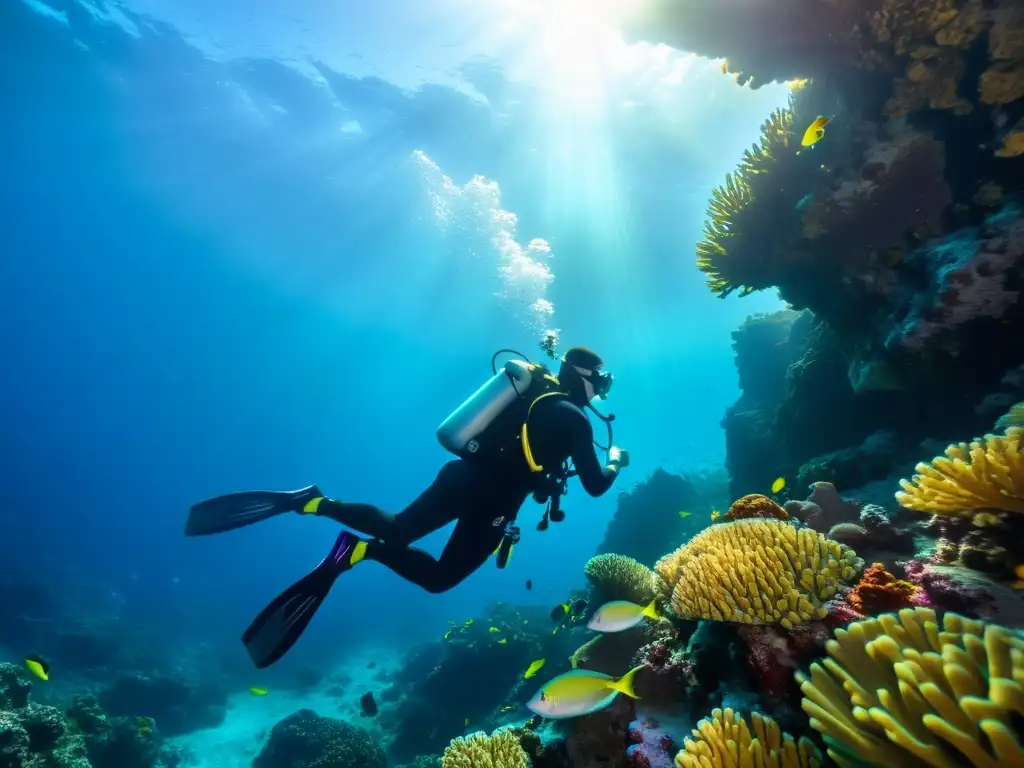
(244, 247)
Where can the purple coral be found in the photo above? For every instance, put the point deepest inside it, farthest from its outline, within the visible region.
(970, 272)
(824, 508)
(938, 590)
(653, 746)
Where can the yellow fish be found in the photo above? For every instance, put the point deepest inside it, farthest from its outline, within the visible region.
(447, 634)
(779, 484)
(796, 85)
(815, 131)
(469, 622)
(1019, 572)
(493, 629)
(684, 515)
(258, 691)
(725, 67)
(533, 669)
(465, 723)
(37, 666)
(715, 514)
(984, 519)
(503, 641)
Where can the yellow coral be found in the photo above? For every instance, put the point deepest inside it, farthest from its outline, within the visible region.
(903, 690)
(714, 255)
(617, 577)
(724, 741)
(478, 750)
(757, 571)
(988, 473)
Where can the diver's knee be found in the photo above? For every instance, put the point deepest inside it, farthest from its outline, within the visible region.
(442, 582)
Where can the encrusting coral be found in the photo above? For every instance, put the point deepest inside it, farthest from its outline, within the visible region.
(617, 577)
(987, 473)
(724, 740)
(904, 690)
(759, 571)
(755, 505)
(878, 591)
(478, 750)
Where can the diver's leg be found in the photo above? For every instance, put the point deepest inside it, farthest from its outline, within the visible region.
(474, 540)
(278, 626)
(430, 511)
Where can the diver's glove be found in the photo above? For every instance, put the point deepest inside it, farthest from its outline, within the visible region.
(618, 457)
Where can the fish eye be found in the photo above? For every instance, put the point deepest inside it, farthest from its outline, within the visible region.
(543, 696)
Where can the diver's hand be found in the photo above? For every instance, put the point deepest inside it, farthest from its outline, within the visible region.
(618, 456)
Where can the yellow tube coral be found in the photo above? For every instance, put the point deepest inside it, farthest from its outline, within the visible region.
(757, 571)
(478, 750)
(903, 690)
(724, 741)
(987, 473)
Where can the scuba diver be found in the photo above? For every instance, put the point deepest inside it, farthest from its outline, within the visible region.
(514, 437)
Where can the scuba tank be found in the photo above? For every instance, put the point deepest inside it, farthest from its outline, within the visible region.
(459, 432)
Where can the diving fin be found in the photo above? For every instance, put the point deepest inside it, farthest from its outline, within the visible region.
(280, 624)
(237, 510)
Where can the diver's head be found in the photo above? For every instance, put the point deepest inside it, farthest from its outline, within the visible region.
(582, 377)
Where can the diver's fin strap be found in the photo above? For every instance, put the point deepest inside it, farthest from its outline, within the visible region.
(525, 435)
(312, 506)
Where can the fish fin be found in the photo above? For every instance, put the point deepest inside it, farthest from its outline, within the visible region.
(651, 611)
(624, 684)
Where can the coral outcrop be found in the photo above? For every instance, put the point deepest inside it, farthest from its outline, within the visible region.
(33, 735)
(759, 571)
(910, 690)
(617, 577)
(725, 738)
(306, 740)
(478, 750)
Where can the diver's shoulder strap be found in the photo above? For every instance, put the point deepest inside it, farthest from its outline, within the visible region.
(525, 433)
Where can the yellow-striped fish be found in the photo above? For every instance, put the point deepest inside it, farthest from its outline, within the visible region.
(580, 692)
(620, 615)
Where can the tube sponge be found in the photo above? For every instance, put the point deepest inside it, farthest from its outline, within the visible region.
(903, 690)
(724, 741)
(478, 750)
(757, 571)
(988, 473)
(617, 577)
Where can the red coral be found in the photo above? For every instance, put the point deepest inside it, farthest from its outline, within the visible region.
(879, 591)
(840, 613)
(770, 660)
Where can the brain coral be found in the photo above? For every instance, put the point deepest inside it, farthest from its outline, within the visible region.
(617, 577)
(724, 740)
(478, 750)
(904, 690)
(756, 572)
(755, 505)
(988, 473)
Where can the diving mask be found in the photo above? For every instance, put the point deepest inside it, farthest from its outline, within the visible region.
(599, 381)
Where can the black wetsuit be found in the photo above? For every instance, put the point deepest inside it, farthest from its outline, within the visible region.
(482, 499)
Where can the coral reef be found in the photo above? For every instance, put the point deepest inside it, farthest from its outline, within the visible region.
(988, 473)
(725, 738)
(306, 740)
(906, 689)
(618, 577)
(756, 572)
(120, 742)
(177, 704)
(34, 735)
